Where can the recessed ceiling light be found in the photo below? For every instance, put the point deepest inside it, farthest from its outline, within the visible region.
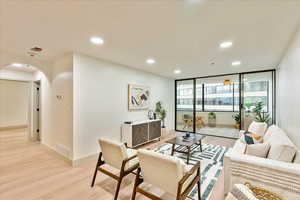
(150, 61)
(17, 65)
(96, 40)
(177, 71)
(226, 44)
(236, 63)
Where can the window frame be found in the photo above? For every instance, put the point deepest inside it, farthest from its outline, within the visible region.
(194, 109)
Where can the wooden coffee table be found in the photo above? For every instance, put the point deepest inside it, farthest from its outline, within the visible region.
(191, 144)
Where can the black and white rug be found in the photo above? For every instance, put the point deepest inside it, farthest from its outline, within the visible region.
(211, 165)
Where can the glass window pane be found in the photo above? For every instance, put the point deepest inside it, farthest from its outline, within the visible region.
(258, 87)
(218, 97)
(185, 103)
(236, 96)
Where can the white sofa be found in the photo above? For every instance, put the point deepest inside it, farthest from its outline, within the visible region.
(282, 178)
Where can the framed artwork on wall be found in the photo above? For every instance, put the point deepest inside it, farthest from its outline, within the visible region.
(138, 97)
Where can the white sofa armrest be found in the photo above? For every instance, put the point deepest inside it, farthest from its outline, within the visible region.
(239, 147)
(279, 177)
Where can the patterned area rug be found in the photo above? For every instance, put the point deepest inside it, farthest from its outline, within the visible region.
(211, 165)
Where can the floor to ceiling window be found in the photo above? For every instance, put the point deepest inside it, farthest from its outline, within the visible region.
(221, 105)
(257, 91)
(185, 105)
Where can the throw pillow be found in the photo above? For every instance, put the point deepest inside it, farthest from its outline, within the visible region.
(285, 153)
(241, 192)
(258, 127)
(259, 150)
(250, 138)
(297, 158)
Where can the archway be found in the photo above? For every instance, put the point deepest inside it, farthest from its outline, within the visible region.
(21, 100)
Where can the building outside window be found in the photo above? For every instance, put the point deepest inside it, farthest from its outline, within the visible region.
(220, 97)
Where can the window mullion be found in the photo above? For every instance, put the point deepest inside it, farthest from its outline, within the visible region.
(202, 97)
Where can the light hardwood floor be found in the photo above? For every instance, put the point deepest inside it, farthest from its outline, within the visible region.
(31, 171)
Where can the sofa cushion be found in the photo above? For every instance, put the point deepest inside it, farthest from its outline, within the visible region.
(285, 153)
(259, 150)
(297, 158)
(276, 136)
(258, 128)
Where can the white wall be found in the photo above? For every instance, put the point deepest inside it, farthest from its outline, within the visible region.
(14, 103)
(14, 97)
(57, 106)
(100, 101)
(288, 91)
(62, 106)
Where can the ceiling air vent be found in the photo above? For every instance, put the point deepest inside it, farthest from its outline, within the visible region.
(34, 51)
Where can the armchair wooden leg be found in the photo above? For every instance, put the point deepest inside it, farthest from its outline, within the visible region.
(96, 170)
(199, 190)
(136, 183)
(118, 187)
(94, 178)
(133, 193)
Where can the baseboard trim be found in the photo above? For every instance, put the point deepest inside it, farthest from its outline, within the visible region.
(3, 128)
(81, 160)
(52, 149)
(73, 163)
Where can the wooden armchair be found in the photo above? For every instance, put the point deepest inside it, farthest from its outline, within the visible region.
(187, 121)
(199, 122)
(166, 172)
(118, 156)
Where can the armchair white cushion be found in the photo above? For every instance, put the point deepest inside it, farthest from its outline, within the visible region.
(114, 153)
(117, 157)
(163, 171)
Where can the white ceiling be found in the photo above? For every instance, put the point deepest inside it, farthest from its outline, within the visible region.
(181, 34)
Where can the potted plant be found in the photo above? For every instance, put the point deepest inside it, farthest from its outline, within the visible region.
(212, 119)
(237, 120)
(161, 113)
(260, 115)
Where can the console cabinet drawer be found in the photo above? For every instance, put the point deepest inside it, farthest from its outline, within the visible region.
(140, 133)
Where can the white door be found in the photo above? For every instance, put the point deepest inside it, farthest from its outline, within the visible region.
(35, 133)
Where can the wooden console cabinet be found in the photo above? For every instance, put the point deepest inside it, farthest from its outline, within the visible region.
(138, 133)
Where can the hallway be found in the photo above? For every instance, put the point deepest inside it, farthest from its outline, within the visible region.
(30, 171)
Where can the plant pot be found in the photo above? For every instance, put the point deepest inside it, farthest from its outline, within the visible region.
(212, 122)
(164, 132)
(163, 124)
